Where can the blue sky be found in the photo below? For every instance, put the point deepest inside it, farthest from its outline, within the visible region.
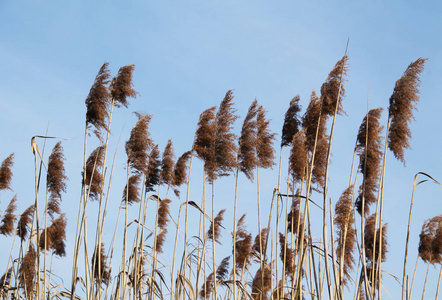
(188, 54)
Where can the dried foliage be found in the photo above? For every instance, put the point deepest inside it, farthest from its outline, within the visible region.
(167, 164)
(180, 169)
(256, 248)
(298, 160)
(139, 144)
(346, 235)
(265, 140)
(27, 272)
(7, 226)
(101, 271)
(98, 101)
(247, 158)
(153, 170)
(24, 221)
(402, 103)
(261, 284)
(54, 237)
(94, 176)
(121, 86)
(207, 287)
(55, 179)
(330, 95)
(430, 241)
(6, 173)
(314, 124)
(287, 256)
(243, 245)
(131, 191)
(292, 122)
(369, 144)
(204, 136)
(372, 245)
(223, 148)
(215, 227)
(5, 280)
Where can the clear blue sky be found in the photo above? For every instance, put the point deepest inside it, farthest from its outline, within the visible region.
(189, 53)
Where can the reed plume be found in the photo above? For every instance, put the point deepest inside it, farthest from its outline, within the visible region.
(214, 231)
(153, 170)
(430, 241)
(223, 270)
(204, 136)
(139, 144)
(131, 191)
(167, 163)
(314, 124)
(243, 245)
(256, 248)
(223, 148)
(287, 256)
(27, 272)
(294, 219)
(261, 284)
(54, 237)
(330, 88)
(207, 287)
(265, 140)
(247, 142)
(101, 271)
(369, 144)
(121, 86)
(94, 176)
(6, 173)
(9, 218)
(163, 213)
(298, 160)
(180, 169)
(292, 122)
(55, 179)
(98, 101)
(346, 235)
(24, 221)
(5, 280)
(402, 102)
(373, 245)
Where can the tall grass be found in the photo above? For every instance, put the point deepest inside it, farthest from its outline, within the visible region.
(287, 259)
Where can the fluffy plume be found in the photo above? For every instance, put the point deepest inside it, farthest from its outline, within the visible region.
(430, 242)
(294, 218)
(204, 136)
(7, 226)
(223, 147)
(223, 270)
(159, 240)
(153, 170)
(292, 122)
(6, 173)
(243, 245)
(5, 280)
(94, 176)
(54, 237)
(279, 290)
(256, 248)
(180, 169)
(402, 102)
(287, 256)
(25, 219)
(247, 142)
(265, 139)
(217, 232)
(167, 164)
(373, 245)
(369, 144)
(139, 144)
(261, 284)
(298, 160)
(330, 88)
(344, 220)
(27, 272)
(207, 287)
(132, 191)
(122, 86)
(314, 124)
(163, 213)
(101, 270)
(55, 179)
(98, 101)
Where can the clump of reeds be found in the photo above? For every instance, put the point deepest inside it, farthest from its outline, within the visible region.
(402, 103)
(7, 223)
(6, 173)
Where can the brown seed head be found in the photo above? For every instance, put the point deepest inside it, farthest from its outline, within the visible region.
(430, 242)
(122, 86)
(298, 160)
(139, 144)
(373, 245)
(7, 226)
(292, 122)
(101, 271)
(27, 272)
(204, 135)
(153, 170)
(265, 140)
(55, 179)
(262, 283)
(132, 190)
(24, 221)
(330, 88)
(6, 173)
(180, 169)
(167, 164)
(94, 176)
(247, 142)
(215, 231)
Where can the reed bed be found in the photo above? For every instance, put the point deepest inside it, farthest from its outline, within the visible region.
(280, 253)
